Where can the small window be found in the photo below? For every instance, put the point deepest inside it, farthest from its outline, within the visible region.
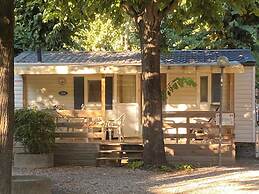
(108, 93)
(204, 89)
(127, 88)
(94, 90)
(215, 88)
(78, 92)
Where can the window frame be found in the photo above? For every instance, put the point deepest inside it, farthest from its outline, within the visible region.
(118, 92)
(207, 96)
(88, 83)
(203, 105)
(87, 78)
(212, 100)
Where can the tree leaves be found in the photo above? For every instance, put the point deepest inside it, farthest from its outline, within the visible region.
(176, 84)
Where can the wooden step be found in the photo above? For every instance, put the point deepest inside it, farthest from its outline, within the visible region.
(119, 158)
(109, 158)
(110, 147)
(126, 151)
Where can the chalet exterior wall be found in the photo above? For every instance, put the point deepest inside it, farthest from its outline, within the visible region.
(39, 84)
(238, 97)
(244, 105)
(43, 90)
(18, 91)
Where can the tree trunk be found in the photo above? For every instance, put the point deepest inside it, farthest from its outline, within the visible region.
(149, 29)
(6, 93)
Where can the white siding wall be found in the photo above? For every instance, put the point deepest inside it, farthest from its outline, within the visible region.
(183, 98)
(42, 90)
(18, 91)
(244, 105)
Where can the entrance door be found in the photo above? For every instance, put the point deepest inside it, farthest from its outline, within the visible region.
(93, 92)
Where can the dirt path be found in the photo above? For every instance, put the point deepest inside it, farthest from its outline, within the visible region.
(80, 180)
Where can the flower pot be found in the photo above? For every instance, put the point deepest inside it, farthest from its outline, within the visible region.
(27, 160)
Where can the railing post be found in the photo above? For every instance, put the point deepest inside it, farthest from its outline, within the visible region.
(188, 130)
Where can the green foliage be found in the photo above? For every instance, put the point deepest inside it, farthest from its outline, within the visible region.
(42, 24)
(176, 84)
(165, 168)
(103, 34)
(135, 164)
(35, 130)
(103, 25)
(233, 28)
(184, 167)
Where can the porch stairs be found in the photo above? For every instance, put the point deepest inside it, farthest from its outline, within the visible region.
(118, 154)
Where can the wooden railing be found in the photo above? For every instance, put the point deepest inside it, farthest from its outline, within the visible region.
(199, 125)
(86, 124)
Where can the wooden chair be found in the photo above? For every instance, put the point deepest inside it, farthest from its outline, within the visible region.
(116, 126)
(206, 134)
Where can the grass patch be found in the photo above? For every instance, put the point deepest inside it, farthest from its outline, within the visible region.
(184, 167)
(163, 168)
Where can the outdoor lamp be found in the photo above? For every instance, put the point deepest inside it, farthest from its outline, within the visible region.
(222, 61)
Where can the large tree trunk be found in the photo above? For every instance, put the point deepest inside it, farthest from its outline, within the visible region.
(6, 93)
(149, 29)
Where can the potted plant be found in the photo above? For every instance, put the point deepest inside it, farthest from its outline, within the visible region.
(34, 129)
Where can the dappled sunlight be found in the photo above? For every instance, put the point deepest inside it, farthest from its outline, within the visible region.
(179, 107)
(77, 69)
(62, 69)
(149, 75)
(150, 120)
(212, 181)
(132, 119)
(248, 115)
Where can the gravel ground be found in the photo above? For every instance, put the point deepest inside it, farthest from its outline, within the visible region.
(81, 180)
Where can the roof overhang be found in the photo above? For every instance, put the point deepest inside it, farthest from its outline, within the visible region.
(81, 68)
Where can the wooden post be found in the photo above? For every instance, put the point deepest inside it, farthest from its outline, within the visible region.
(177, 135)
(220, 115)
(188, 130)
(103, 97)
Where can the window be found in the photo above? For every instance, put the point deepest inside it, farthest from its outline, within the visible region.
(94, 90)
(108, 93)
(204, 89)
(78, 92)
(215, 87)
(127, 88)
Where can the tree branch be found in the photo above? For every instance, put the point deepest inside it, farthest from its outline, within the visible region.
(129, 9)
(170, 7)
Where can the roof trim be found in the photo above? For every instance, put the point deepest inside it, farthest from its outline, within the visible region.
(124, 64)
(173, 58)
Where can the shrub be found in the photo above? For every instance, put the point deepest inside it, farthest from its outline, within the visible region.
(35, 130)
(184, 167)
(135, 164)
(165, 168)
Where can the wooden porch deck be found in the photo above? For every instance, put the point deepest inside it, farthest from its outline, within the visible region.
(98, 153)
(198, 144)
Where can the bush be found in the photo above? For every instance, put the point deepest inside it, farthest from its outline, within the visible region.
(135, 164)
(35, 130)
(165, 168)
(184, 167)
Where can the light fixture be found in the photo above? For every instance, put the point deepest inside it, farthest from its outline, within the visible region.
(223, 61)
(62, 81)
